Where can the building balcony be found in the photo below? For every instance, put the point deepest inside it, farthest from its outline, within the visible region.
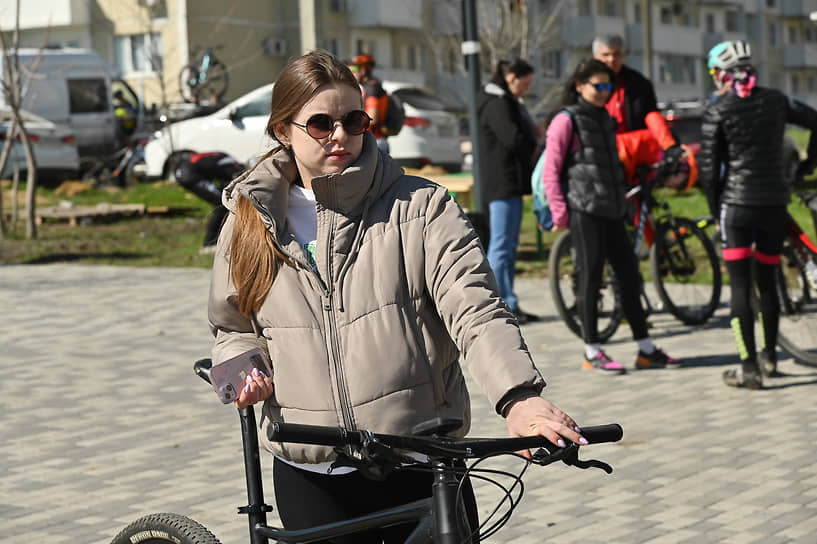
(45, 14)
(798, 8)
(385, 13)
(797, 55)
(580, 31)
(677, 40)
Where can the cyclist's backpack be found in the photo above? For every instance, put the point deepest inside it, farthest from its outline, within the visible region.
(395, 116)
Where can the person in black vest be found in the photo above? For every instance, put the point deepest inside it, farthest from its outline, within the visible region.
(507, 143)
(741, 170)
(582, 157)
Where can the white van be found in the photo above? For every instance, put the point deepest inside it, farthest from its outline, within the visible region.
(72, 87)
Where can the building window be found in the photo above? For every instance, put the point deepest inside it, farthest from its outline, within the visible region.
(808, 35)
(552, 64)
(710, 22)
(584, 8)
(795, 83)
(139, 52)
(637, 12)
(810, 84)
(365, 46)
(770, 3)
(412, 57)
(665, 15)
(156, 8)
(792, 34)
(334, 46)
(731, 21)
(337, 6)
(608, 8)
(772, 34)
(678, 69)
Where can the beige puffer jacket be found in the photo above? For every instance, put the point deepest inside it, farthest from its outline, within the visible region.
(373, 340)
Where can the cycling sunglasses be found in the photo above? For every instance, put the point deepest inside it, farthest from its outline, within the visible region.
(321, 125)
(601, 87)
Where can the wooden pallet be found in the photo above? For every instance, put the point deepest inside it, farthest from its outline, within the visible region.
(74, 213)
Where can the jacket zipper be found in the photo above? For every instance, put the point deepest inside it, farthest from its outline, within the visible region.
(334, 353)
(332, 342)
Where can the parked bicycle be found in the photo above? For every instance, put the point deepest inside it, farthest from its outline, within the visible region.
(684, 265)
(205, 79)
(124, 167)
(440, 519)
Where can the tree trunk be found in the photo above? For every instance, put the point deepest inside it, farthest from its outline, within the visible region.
(31, 183)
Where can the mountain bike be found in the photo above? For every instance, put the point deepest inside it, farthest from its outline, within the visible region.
(204, 79)
(684, 265)
(797, 290)
(439, 519)
(123, 167)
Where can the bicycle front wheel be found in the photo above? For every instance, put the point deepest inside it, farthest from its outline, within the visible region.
(165, 529)
(797, 334)
(686, 271)
(563, 278)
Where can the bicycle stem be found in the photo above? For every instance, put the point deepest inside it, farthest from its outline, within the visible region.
(444, 504)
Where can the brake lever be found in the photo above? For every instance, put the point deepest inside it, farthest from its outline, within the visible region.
(569, 456)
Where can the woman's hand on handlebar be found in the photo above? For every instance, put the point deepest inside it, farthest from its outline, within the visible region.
(537, 416)
(258, 387)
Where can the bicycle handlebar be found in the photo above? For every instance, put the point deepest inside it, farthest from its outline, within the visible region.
(432, 446)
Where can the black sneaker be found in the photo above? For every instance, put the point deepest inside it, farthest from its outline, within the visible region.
(737, 377)
(768, 365)
(525, 317)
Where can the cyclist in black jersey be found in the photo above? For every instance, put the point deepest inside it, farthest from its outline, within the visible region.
(741, 170)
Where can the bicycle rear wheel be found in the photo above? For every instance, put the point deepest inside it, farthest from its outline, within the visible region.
(214, 86)
(797, 334)
(165, 529)
(563, 275)
(686, 271)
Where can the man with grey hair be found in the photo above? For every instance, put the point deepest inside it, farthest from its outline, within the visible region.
(632, 103)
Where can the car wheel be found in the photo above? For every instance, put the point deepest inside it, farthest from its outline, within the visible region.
(169, 171)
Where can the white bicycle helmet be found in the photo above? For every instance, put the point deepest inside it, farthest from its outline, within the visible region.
(729, 55)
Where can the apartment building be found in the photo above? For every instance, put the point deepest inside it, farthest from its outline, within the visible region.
(668, 41)
(149, 41)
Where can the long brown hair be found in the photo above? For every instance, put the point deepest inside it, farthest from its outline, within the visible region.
(254, 254)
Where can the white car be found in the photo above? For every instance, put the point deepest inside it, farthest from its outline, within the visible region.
(430, 134)
(54, 145)
(237, 129)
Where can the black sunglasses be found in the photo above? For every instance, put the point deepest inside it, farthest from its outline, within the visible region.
(321, 125)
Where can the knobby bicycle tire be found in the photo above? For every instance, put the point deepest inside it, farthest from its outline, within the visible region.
(562, 276)
(165, 529)
(686, 271)
(797, 332)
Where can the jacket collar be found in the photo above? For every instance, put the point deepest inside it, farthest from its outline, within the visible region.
(267, 185)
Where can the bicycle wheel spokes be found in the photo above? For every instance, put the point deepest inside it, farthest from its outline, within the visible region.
(686, 271)
(798, 310)
(214, 83)
(563, 277)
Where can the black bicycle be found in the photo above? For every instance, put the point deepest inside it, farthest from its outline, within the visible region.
(684, 265)
(204, 79)
(440, 519)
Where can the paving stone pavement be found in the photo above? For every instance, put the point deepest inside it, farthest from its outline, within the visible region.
(102, 421)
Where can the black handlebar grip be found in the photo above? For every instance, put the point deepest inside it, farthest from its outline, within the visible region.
(603, 433)
(311, 434)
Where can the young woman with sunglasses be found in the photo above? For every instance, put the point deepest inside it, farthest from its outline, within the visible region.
(585, 185)
(366, 287)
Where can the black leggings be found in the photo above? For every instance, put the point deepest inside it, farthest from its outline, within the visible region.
(596, 239)
(742, 226)
(306, 499)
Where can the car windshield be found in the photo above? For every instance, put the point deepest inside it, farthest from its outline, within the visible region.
(421, 100)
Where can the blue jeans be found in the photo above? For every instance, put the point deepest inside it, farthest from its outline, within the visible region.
(505, 219)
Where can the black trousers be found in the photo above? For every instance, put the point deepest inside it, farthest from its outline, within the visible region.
(596, 239)
(306, 499)
(765, 228)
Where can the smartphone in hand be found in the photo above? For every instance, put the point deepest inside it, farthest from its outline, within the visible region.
(229, 378)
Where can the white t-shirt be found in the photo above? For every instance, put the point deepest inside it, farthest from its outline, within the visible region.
(303, 219)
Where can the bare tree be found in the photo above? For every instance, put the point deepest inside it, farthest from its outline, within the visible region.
(507, 28)
(13, 87)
